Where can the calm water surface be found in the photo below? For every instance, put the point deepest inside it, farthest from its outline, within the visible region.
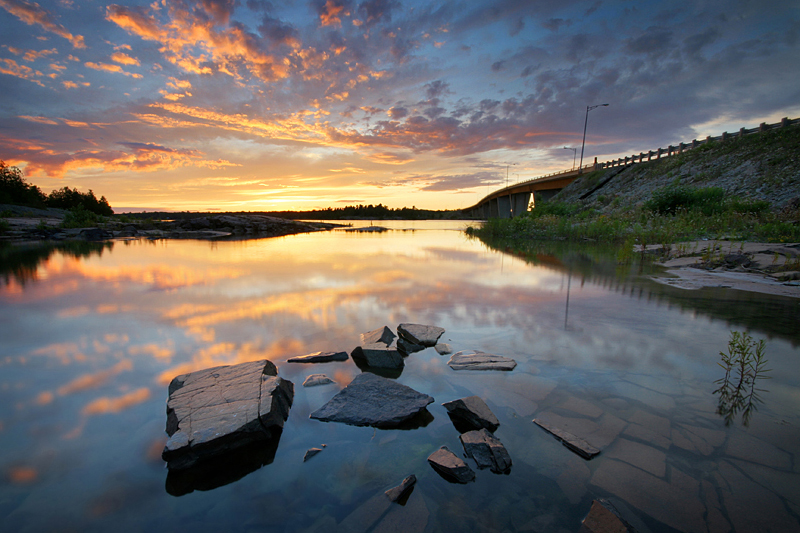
(90, 341)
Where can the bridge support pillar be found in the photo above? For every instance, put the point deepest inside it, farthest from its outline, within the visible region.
(493, 211)
(519, 203)
(542, 197)
(504, 207)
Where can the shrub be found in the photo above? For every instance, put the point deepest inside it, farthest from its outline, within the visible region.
(79, 217)
(669, 200)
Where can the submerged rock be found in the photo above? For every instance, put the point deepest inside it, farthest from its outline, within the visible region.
(574, 443)
(471, 413)
(383, 335)
(420, 334)
(401, 492)
(487, 450)
(603, 517)
(480, 361)
(317, 379)
(371, 400)
(311, 452)
(319, 357)
(443, 348)
(450, 466)
(378, 355)
(215, 411)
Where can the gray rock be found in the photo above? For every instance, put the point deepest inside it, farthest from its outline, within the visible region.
(450, 466)
(576, 444)
(94, 234)
(407, 348)
(215, 411)
(317, 379)
(443, 348)
(471, 413)
(319, 357)
(378, 355)
(420, 334)
(311, 452)
(603, 517)
(480, 361)
(487, 450)
(371, 400)
(401, 492)
(384, 335)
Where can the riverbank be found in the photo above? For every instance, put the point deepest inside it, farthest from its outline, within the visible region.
(30, 224)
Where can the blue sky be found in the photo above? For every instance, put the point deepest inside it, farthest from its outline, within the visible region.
(225, 104)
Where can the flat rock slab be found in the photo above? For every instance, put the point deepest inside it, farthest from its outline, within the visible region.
(576, 444)
(450, 466)
(407, 347)
(311, 452)
(471, 413)
(480, 361)
(379, 355)
(420, 334)
(315, 380)
(215, 411)
(487, 450)
(319, 357)
(370, 400)
(383, 335)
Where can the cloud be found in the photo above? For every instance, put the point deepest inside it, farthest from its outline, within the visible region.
(32, 14)
(108, 405)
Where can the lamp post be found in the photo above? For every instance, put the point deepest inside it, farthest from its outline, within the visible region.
(510, 208)
(574, 155)
(585, 122)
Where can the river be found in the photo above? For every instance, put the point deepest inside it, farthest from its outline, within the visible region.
(92, 335)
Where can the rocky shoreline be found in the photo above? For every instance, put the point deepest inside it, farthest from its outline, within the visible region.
(30, 224)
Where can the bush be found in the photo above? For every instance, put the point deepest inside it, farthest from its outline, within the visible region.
(79, 217)
(15, 190)
(673, 198)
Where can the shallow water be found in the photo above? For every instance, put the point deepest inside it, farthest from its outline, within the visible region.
(90, 339)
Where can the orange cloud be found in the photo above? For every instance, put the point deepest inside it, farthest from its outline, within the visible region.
(12, 68)
(22, 475)
(105, 404)
(111, 68)
(33, 14)
(124, 59)
(330, 15)
(33, 55)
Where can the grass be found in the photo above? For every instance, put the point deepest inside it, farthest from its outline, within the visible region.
(675, 213)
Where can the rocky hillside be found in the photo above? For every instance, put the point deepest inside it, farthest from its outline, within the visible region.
(763, 166)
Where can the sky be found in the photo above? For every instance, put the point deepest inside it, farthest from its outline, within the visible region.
(257, 105)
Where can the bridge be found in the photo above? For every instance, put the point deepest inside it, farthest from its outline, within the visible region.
(513, 200)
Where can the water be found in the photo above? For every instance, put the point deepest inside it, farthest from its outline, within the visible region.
(91, 338)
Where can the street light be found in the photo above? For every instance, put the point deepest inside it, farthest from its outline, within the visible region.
(585, 122)
(507, 167)
(574, 155)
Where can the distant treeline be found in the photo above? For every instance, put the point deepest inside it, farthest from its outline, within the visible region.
(15, 190)
(351, 212)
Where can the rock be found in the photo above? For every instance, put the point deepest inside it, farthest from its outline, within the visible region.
(317, 379)
(471, 413)
(487, 450)
(443, 349)
(311, 452)
(401, 492)
(450, 466)
(319, 357)
(604, 518)
(383, 335)
(480, 361)
(378, 355)
(218, 410)
(406, 347)
(576, 444)
(128, 231)
(420, 334)
(94, 234)
(371, 400)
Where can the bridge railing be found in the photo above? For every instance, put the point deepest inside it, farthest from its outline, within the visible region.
(660, 152)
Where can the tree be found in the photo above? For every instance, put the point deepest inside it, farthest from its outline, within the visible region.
(67, 198)
(15, 190)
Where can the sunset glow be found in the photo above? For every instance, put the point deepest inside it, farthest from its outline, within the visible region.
(254, 105)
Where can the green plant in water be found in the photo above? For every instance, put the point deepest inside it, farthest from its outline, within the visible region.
(744, 364)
